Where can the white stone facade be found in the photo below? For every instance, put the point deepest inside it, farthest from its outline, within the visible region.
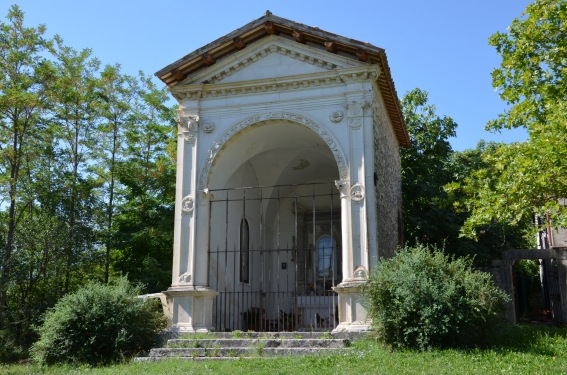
(275, 113)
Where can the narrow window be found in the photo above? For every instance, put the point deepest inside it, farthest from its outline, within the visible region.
(325, 257)
(244, 251)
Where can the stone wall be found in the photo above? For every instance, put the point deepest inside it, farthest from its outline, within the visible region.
(387, 182)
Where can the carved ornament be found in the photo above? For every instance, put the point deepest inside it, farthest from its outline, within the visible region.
(209, 127)
(360, 273)
(188, 125)
(357, 192)
(336, 116)
(188, 204)
(355, 109)
(185, 278)
(355, 123)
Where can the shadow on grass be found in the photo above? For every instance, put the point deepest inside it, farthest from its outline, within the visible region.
(530, 338)
(521, 338)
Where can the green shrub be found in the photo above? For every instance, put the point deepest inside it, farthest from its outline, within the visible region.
(423, 299)
(99, 324)
(9, 351)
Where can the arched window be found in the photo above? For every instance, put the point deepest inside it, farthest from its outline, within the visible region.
(244, 251)
(325, 257)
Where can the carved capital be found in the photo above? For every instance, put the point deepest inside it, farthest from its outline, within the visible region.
(188, 125)
(356, 108)
(206, 196)
(187, 121)
(343, 186)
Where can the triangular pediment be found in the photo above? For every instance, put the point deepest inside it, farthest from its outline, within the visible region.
(241, 55)
(272, 57)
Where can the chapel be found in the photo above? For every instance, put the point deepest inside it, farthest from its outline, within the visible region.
(288, 187)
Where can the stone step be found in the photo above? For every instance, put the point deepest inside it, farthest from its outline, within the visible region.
(260, 342)
(236, 352)
(236, 345)
(266, 335)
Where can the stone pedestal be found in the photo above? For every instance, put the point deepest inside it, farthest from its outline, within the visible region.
(352, 312)
(191, 308)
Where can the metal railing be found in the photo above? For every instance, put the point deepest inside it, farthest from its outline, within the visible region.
(274, 257)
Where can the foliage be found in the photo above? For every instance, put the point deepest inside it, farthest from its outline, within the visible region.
(428, 218)
(23, 73)
(9, 350)
(434, 208)
(491, 237)
(422, 299)
(86, 175)
(523, 179)
(98, 324)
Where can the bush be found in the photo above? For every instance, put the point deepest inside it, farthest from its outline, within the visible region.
(423, 299)
(9, 350)
(97, 325)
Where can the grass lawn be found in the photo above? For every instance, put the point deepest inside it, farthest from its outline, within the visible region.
(522, 350)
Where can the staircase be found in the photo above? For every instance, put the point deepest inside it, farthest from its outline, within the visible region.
(237, 345)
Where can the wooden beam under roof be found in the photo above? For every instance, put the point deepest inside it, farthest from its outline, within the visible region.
(238, 42)
(331, 46)
(270, 28)
(299, 36)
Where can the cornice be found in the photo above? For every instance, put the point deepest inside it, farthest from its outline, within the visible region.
(336, 77)
(265, 47)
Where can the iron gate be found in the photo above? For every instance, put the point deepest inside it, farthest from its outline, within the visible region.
(274, 257)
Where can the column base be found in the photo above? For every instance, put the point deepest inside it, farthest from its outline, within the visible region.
(353, 316)
(191, 308)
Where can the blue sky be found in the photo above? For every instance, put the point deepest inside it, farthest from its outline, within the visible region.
(440, 46)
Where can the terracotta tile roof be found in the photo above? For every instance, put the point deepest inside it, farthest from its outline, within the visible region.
(273, 25)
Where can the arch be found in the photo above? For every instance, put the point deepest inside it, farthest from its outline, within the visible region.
(323, 133)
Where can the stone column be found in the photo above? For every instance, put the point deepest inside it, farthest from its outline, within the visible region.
(507, 284)
(562, 276)
(352, 313)
(190, 304)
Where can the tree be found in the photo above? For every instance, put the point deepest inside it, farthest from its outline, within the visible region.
(433, 201)
(492, 237)
(145, 223)
(524, 179)
(24, 72)
(75, 114)
(428, 216)
(118, 93)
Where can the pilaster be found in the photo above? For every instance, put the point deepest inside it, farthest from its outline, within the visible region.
(184, 229)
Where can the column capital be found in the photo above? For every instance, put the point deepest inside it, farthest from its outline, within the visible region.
(344, 187)
(187, 124)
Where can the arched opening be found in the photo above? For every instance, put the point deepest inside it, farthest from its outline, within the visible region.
(275, 230)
